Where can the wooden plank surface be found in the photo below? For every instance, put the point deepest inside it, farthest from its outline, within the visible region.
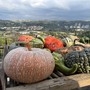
(2, 79)
(2, 73)
(72, 82)
(82, 79)
(62, 83)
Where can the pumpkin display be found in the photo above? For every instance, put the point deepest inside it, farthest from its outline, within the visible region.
(25, 38)
(17, 44)
(26, 66)
(82, 43)
(67, 39)
(65, 50)
(53, 43)
(81, 58)
(34, 43)
(59, 64)
(41, 38)
(85, 40)
(37, 43)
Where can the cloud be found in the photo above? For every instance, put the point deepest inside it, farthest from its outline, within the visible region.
(62, 4)
(44, 9)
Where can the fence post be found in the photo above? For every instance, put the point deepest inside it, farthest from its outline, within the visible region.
(4, 77)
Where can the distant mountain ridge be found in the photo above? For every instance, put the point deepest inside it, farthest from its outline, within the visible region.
(48, 25)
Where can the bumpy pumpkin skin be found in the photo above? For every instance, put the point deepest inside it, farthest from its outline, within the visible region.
(28, 66)
(25, 38)
(53, 43)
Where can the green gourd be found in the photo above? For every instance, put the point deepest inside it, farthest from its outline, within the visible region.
(81, 58)
(59, 65)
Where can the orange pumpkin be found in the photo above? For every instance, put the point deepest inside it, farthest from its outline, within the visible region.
(26, 66)
(53, 43)
(25, 38)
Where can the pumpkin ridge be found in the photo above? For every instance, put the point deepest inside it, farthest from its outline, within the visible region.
(21, 55)
(44, 62)
(49, 58)
(10, 60)
(24, 58)
(33, 78)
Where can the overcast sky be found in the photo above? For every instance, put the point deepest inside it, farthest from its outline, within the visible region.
(45, 9)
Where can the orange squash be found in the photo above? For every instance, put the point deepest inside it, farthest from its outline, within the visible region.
(53, 43)
(25, 38)
(26, 66)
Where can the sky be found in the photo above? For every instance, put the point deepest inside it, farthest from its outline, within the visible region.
(45, 9)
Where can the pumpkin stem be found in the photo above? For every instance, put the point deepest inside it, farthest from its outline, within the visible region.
(76, 40)
(27, 45)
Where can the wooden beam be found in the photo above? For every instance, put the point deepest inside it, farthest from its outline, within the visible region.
(73, 82)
